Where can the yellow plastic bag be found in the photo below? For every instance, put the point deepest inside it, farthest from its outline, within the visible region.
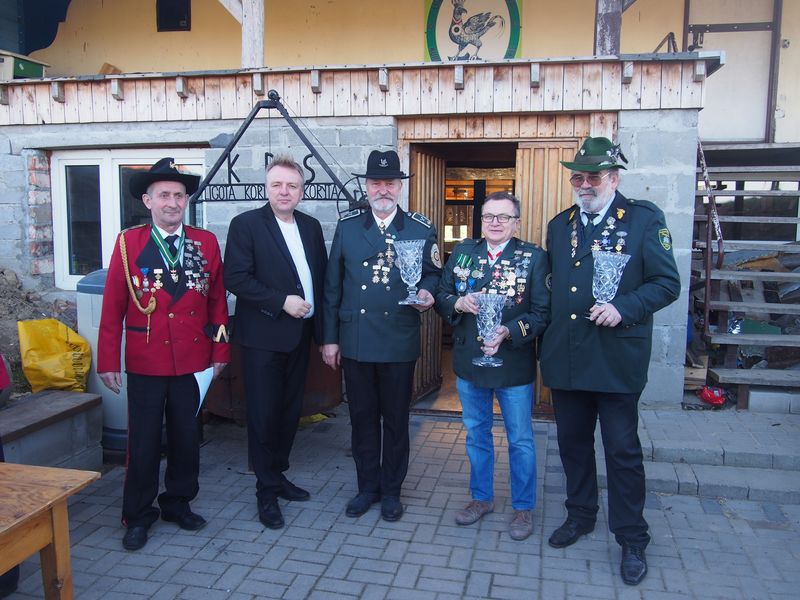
(54, 357)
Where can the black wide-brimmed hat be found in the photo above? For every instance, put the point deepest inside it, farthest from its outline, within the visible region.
(597, 154)
(383, 165)
(163, 170)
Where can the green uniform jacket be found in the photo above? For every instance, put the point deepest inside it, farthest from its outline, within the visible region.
(363, 288)
(526, 313)
(576, 353)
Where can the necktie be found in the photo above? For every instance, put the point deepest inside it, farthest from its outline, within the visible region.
(170, 239)
(382, 227)
(589, 227)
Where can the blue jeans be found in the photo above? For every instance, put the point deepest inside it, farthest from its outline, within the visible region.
(515, 404)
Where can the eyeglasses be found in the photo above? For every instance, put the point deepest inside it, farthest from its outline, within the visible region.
(488, 218)
(576, 179)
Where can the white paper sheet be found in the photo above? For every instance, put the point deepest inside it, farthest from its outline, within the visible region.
(203, 383)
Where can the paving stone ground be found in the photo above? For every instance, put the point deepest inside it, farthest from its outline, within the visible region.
(703, 547)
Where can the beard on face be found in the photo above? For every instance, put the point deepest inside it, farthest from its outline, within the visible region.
(590, 201)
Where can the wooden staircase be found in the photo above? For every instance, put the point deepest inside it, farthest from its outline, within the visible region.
(746, 259)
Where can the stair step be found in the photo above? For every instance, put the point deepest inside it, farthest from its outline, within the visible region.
(740, 173)
(728, 275)
(770, 307)
(750, 193)
(769, 377)
(756, 339)
(713, 481)
(768, 245)
(750, 219)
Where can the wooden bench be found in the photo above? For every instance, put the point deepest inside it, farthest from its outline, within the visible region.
(744, 378)
(33, 517)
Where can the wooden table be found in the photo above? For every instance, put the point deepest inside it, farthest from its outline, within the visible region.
(33, 516)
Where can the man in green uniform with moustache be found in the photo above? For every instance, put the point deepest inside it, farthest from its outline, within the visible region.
(375, 338)
(595, 354)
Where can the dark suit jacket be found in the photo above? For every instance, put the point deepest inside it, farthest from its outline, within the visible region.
(362, 313)
(526, 313)
(576, 353)
(260, 271)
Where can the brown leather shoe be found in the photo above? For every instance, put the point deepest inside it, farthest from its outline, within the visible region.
(473, 511)
(521, 526)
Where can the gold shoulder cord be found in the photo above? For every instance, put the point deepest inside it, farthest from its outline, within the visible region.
(151, 305)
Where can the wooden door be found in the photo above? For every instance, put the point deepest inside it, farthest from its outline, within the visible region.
(543, 189)
(426, 196)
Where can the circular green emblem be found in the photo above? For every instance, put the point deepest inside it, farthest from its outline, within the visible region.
(474, 30)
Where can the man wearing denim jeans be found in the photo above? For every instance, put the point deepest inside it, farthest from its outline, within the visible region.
(497, 264)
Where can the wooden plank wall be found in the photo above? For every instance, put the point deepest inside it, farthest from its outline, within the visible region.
(395, 91)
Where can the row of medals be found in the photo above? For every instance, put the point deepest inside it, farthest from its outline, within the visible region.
(604, 242)
(195, 280)
(507, 279)
(385, 260)
(157, 283)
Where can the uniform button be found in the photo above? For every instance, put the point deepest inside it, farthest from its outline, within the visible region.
(171, 315)
(573, 316)
(363, 287)
(166, 342)
(192, 313)
(386, 313)
(299, 287)
(365, 263)
(573, 289)
(577, 263)
(196, 340)
(388, 288)
(363, 310)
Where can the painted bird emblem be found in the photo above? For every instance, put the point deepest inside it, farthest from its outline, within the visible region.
(469, 32)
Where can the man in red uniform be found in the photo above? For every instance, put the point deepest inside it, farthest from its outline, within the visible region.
(165, 283)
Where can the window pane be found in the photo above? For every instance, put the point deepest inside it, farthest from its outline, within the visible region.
(83, 219)
(132, 210)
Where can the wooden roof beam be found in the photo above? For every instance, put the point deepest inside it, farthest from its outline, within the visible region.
(608, 26)
(250, 15)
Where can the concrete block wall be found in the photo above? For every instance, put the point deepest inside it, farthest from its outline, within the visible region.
(661, 147)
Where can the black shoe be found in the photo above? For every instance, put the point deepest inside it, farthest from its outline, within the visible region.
(135, 538)
(391, 508)
(568, 533)
(633, 567)
(269, 513)
(361, 503)
(290, 491)
(189, 521)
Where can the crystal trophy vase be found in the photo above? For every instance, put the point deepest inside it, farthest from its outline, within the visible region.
(409, 261)
(608, 268)
(490, 313)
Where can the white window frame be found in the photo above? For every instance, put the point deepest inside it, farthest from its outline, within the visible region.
(108, 162)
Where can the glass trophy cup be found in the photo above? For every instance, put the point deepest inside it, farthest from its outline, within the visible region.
(409, 261)
(490, 312)
(608, 268)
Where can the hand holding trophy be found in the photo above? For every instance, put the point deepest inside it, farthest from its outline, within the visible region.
(608, 268)
(409, 261)
(490, 313)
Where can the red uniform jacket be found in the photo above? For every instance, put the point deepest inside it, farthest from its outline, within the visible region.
(188, 313)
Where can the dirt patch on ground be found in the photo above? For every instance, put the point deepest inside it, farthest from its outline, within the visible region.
(17, 304)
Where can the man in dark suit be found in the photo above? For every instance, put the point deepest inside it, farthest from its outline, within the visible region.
(504, 265)
(274, 264)
(165, 283)
(595, 355)
(376, 338)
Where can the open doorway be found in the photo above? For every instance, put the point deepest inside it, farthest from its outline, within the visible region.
(452, 181)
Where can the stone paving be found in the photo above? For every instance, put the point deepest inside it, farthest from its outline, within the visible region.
(702, 547)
